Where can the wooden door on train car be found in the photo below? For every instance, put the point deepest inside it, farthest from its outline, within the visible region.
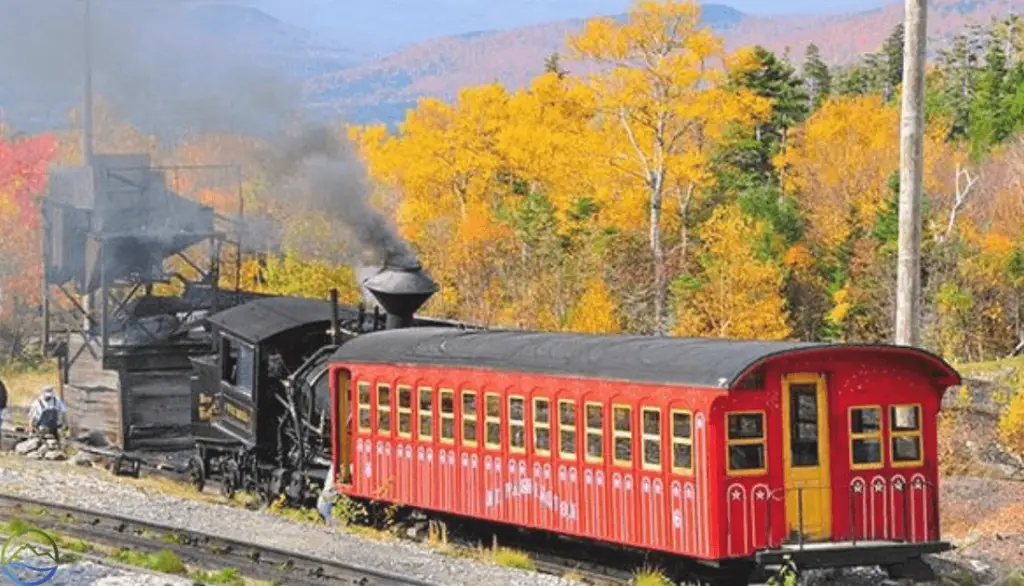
(342, 426)
(805, 431)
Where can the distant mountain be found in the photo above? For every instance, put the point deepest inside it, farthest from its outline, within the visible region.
(379, 90)
(214, 64)
(164, 65)
(440, 67)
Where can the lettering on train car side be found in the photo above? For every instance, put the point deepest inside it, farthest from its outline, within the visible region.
(238, 413)
(566, 509)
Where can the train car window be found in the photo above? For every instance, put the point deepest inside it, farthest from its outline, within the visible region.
(866, 437)
(803, 424)
(426, 414)
(246, 370)
(363, 401)
(447, 416)
(517, 424)
(404, 411)
(651, 434)
(595, 433)
(622, 434)
(567, 429)
(682, 442)
(383, 408)
(469, 418)
(542, 426)
(905, 431)
(492, 421)
(746, 443)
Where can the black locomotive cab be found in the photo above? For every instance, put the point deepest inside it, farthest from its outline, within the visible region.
(261, 412)
(256, 398)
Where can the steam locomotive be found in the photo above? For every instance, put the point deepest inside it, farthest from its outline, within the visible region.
(262, 396)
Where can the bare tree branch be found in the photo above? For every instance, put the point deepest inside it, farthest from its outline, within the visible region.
(964, 185)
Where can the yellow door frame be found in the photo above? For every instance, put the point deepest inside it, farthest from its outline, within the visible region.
(812, 483)
(343, 385)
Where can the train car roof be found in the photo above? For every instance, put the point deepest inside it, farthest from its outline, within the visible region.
(263, 319)
(697, 362)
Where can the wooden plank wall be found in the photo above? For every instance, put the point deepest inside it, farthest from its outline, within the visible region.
(158, 407)
(92, 396)
(145, 403)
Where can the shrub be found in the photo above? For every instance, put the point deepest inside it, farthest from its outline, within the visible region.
(1011, 424)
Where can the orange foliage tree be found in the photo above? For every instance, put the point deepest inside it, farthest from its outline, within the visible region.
(23, 168)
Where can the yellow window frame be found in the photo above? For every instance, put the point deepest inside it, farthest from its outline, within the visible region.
(446, 416)
(539, 425)
(918, 433)
(646, 437)
(762, 441)
(421, 413)
(593, 431)
(872, 435)
(562, 428)
(490, 420)
(404, 411)
(384, 409)
(362, 405)
(681, 441)
(622, 433)
(519, 423)
(469, 419)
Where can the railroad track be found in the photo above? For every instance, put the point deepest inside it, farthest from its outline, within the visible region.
(196, 548)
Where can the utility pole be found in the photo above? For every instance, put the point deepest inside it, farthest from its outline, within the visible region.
(87, 142)
(88, 300)
(908, 278)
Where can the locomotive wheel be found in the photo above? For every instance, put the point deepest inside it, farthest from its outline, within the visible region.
(229, 484)
(196, 473)
(227, 487)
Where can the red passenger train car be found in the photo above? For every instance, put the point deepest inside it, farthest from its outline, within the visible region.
(729, 454)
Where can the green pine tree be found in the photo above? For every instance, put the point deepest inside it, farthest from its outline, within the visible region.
(818, 76)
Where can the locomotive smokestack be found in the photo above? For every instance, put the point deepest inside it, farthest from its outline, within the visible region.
(401, 288)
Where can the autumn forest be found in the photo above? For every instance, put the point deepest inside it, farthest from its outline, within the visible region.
(648, 182)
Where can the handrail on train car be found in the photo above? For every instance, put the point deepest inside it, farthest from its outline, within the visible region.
(855, 537)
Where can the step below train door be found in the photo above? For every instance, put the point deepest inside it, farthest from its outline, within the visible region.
(806, 451)
(342, 426)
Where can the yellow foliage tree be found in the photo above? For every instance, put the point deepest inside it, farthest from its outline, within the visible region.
(737, 295)
(661, 107)
(289, 274)
(595, 311)
(839, 165)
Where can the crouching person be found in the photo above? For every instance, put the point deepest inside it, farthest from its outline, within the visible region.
(48, 415)
(325, 502)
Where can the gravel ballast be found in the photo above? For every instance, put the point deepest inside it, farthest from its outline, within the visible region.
(93, 574)
(95, 490)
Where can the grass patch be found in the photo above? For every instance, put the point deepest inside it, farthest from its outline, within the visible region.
(512, 558)
(574, 578)
(24, 381)
(649, 577)
(226, 576)
(1015, 578)
(15, 526)
(164, 561)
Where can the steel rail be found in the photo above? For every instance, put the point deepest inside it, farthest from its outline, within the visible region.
(202, 549)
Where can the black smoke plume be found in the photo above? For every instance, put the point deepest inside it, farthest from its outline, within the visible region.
(173, 68)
